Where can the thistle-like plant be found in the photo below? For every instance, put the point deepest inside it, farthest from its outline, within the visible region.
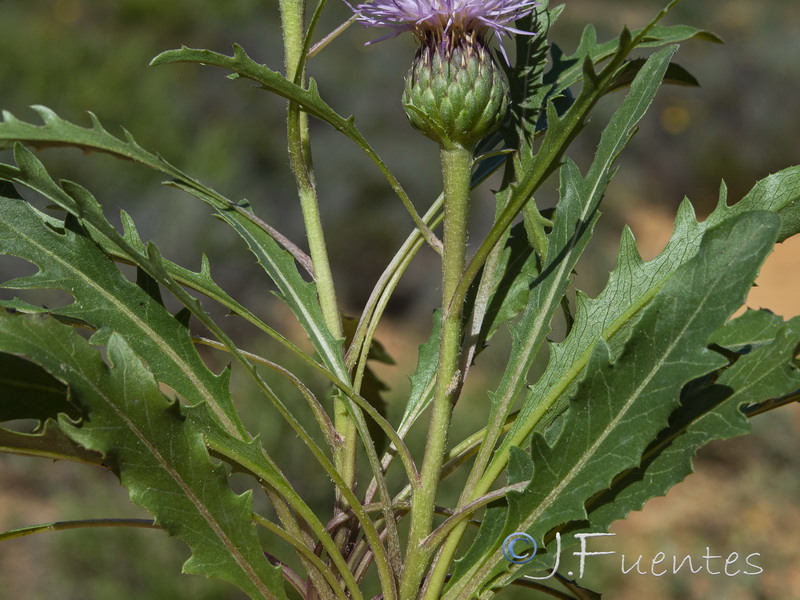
(649, 370)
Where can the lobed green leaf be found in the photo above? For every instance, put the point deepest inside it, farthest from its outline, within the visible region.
(621, 405)
(159, 455)
(577, 212)
(633, 283)
(709, 410)
(751, 330)
(69, 260)
(778, 193)
(271, 247)
(567, 69)
(29, 392)
(48, 441)
(306, 98)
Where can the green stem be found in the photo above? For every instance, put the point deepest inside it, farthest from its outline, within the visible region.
(300, 159)
(310, 559)
(292, 25)
(292, 20)
(558, 137)
(348, 420)
(358, 353)
(456, 171)
(83, 524)
(292, 16)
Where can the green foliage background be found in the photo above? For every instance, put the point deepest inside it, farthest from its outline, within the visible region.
(74, 55)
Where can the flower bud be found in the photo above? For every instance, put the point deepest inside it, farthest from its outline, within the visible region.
(455, 95)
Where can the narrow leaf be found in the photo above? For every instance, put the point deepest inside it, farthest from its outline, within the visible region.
(299, 295)
(306, 98)
(58, 132)
(424, 376)
(241, 64)
(567, 70)
(675, 75)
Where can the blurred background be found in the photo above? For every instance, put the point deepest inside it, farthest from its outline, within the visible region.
(740, 126)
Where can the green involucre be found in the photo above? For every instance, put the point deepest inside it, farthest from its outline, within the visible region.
(455, 95)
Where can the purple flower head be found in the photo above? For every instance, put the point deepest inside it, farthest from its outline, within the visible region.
(448, 21)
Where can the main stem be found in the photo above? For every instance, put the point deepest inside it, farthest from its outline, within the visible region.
(456, 171)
